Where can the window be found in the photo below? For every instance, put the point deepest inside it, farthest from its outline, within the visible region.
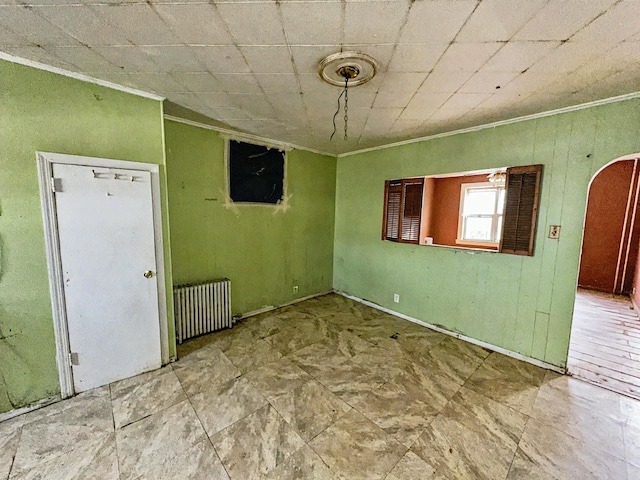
(482, 214)
(256, 173)
(481, 208)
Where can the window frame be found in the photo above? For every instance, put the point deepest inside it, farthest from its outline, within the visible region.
(495, 234)
(519, 218)
(402, 219)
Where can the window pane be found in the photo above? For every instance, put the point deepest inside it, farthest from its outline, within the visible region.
(501, 194)
(499, 229)
(477, 228)
(480, 202)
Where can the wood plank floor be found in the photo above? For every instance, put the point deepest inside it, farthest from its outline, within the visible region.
(605, 342)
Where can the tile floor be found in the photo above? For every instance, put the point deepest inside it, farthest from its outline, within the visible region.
(330, 389)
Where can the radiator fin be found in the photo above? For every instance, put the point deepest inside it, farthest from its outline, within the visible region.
(202, 308)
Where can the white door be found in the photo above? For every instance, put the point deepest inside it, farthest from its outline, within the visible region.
(107, 251)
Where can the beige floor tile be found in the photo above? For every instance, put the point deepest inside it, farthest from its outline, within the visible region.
(301, 332)
(94, 459)
(257, 444)
(203, 368)
(411, 467)
(583, 411)
(143, 395)
(473, 437)
(277, 378)
(62, 428)
(10, 431)
(547, 453)
(305, 464)
(509, 381)
(225, 404)
(355, 448)
(145, 446)
(249, 355)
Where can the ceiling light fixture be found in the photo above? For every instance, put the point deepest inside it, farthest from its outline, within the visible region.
(346, 69)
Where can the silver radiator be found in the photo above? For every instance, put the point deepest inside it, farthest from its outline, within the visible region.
(202, 308)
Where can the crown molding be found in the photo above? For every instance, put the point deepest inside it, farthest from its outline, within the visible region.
(549, 113)
(236, 135)
(78, 76)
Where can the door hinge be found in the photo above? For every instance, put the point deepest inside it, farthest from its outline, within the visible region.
(73, 359)
(56, 185)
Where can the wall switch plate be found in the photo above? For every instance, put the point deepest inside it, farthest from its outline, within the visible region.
(554, 232)
(295, 289)
(396, 298)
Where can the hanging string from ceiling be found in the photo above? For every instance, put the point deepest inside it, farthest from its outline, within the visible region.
(346, 109)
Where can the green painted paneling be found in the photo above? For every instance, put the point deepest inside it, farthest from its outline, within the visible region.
(41, 111)
(523, 304)
(264, 250)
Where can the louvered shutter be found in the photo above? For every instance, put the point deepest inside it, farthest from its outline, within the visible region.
(521, 209)
(412, 211)
(403, 210)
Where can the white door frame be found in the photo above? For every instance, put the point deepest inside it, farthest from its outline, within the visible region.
(54, 263)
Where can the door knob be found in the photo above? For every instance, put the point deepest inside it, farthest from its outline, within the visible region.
(148, 274)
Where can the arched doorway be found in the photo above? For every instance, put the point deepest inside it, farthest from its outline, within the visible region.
(605, 333)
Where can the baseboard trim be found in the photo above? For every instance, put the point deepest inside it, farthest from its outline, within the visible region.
(495, 348)
(275, 307)
(21, 411)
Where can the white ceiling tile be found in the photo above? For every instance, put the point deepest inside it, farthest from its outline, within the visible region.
(271, 59)
(155, 82)
(518, 56)
(129, 58)
(128, 19)
(382, 117)
(498, 20)
(278, 82)
(436, 22)
(560, 20)
(230, 113)
(198, 82)
(444, 81)
(308, 58)
(238, 82)
(312, 83)
(8, 37)
(33, 28)
(465, 101)
(221, 59)
(195, 24)
(487, 82)
(423, 105)
(85, 59)
(468, 57)
(566, 58)
(216, 100)
(374, 21)
(82, 23)
(393, 82)
(37, 54)
(173, 58)
(253, 23)
(619, 22)
(381, 53)
(392, 99)
(416, 57)
(312, 23)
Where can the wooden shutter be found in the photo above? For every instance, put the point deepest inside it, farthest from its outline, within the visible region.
(403, 210)
(392, 209)
(412, 209)
(521, 209)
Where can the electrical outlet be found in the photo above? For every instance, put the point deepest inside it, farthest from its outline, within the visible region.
(396, 298)
(554, 232)
(295, 289)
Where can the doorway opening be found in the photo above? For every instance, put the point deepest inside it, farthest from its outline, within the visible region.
(605, 333)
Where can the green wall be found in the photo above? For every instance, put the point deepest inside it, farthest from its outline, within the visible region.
(523, 304)
(42, 111)
(264, 250)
